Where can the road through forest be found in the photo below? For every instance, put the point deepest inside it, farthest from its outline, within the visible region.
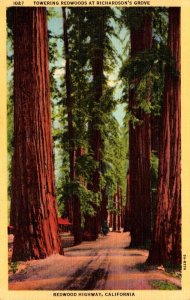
(105, 264)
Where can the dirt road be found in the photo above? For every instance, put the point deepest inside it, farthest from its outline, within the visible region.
(105, 264)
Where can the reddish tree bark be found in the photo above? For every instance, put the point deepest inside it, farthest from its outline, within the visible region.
(123, 216)
(127, 221)
(119, 206)
(33, 206)
(140, 147)
(74, 207)
(110, 219)
(114, 219)
(166, 240)
(104, 203)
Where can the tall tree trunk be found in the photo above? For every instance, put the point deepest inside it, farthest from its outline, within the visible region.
(123, 217)
(95, 140)
(140, 147)
(127, 221)
(33, 207)
(166, 240)
(74, 200)
(104, 203)
(119, 207)
(114, 220)
(110, 219)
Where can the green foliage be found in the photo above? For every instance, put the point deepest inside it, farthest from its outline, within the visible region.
(147, 67)
(163, 285)
(154, 179)
(154, 166)
(100, 29)
(87, 197)
(133, 18)
(14, 267)
(114, 160)
(143, 62)
(85, 166)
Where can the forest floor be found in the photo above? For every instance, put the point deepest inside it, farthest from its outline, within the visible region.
(105, 264)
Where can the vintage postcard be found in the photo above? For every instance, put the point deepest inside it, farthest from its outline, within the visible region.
(95, 165)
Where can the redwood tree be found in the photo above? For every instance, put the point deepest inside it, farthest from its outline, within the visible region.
(139, 142)
(33, 207)
(114, 227)
(166, 239)
(74, 201)
(127, 221)
(103, 208)
(119, 206)
(98, 36)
